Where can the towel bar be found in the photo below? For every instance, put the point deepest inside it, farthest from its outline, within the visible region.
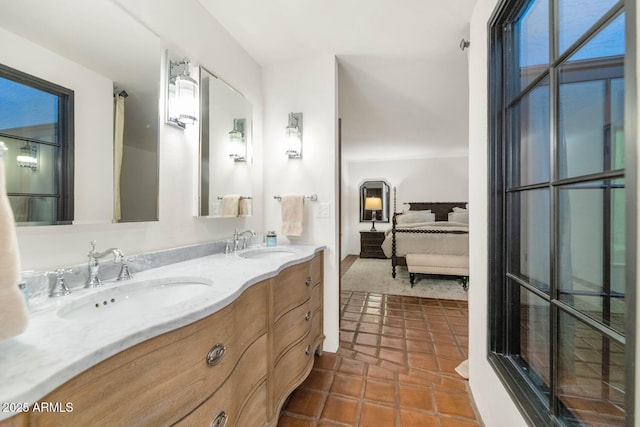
(313, 197)
(241, 197)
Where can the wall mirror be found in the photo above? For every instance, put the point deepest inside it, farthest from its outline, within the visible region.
(225, 150)
(374, 200)
(112, 63)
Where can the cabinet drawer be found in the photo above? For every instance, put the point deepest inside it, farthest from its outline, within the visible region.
(164, 378)
(20, 420)
(290, 328)
(316, 325)
(290, 289)
(292, 369)
(237, 394)
(254, 412)
(316, 267)
(316, 297)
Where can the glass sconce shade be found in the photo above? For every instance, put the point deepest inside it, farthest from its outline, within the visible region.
(28, 157)
(187, 99)
(293, 136)
(237, 142)
(182, 94)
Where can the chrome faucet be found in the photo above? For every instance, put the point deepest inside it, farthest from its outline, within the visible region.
(237, 239)
(118, 257)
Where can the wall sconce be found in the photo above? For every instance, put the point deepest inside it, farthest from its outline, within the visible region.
(373, 204)
(293, 136)
(182, 94)
(237, 141)
(28, 157)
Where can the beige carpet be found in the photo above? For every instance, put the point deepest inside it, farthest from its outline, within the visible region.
(374, 275)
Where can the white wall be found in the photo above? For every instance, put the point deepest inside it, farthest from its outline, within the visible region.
(494, 404)
(193, 33)
(307, 86)
(444, 179)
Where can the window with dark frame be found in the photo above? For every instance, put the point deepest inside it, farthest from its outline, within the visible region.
(559, 282)
(36, 124)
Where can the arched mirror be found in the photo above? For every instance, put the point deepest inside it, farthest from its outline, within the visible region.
(374, 201)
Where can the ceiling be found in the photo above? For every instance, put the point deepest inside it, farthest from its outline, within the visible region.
(403, 84)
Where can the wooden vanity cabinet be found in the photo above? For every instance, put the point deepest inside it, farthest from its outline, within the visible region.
(160, 381)
(297, 330)
(233, 368)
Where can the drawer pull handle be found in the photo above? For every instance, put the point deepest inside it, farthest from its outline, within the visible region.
(308, 350)
(214, 357)
(308, 281)
(220, 420)
(307, 317)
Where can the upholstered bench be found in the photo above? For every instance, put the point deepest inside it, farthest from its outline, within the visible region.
(448, 265)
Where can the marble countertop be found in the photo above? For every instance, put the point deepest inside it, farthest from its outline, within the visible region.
(53, 349)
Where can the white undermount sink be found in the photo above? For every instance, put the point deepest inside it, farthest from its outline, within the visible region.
(273, 252)
(134, 299)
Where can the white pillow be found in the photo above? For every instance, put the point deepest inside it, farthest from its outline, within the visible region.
(415, 216)
(462, 217)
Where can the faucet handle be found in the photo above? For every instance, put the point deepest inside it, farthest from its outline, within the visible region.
(125, 273)
(93, 247)
(60, 288)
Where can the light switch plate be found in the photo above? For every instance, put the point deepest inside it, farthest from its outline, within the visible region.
(323, 210)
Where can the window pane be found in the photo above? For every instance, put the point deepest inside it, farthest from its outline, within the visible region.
(617, 124)
(30, 167)
(529, 145)
(582, 138)
(534, 330)
(590, 375)
(577, 16)
(28, 112)
(533, 42)
(34, 210)
(592, 250)
(528, 241)
(591, 136)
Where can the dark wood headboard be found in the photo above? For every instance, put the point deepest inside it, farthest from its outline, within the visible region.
(440, 209)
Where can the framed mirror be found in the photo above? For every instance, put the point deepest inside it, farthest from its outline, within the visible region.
(374, 200)
(113, 69)
(225, 150)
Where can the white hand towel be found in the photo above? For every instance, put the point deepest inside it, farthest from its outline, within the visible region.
(245, 207)
(230, 204)
(13, 309)
(292, 214)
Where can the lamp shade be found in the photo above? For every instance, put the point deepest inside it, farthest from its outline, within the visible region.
(373, 203)
(187, 99)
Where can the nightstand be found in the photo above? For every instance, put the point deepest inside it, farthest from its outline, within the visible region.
(371, 244)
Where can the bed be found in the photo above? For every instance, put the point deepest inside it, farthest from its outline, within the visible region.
(411, 233)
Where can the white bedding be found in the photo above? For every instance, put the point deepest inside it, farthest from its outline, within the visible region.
(428, 243)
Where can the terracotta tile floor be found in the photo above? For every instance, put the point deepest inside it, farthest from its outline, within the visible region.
(395, 367)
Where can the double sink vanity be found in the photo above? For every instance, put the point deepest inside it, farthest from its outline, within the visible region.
(217, 340)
